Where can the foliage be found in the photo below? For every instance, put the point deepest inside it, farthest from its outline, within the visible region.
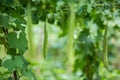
(88, 20)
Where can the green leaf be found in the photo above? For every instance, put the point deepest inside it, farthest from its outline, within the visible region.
(63, 22)
(10, 78)
(1, 31)
(24, 78)
(8, 3)
(35, 18)
(85, 44)
(11, 51)
(80, 10)
(29, 74)
(43, 17)
(17, 43)
(4, 20)
(20, 22)
(2, 40)
(18, 61)
(51, 19)
(9, 64)
(13, 64)
(89, 8)
(84, 34)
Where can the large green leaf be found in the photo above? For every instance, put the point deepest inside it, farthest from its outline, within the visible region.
(13, 63)
(18, 61)
(17, 43)
(9, 64)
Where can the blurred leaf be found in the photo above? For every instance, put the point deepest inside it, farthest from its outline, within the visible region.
(9, 3)
(80, 10)
(4, 20)
(20, 22)
(51, 20)
(89, 8)
(84, 35)
(24, 78)
(2, 40)
(35, 17)
(28, 73)
(42, 16)
(16, 12)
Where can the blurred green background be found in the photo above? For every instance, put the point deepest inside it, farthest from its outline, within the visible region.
(55, 67)
(86, 60)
